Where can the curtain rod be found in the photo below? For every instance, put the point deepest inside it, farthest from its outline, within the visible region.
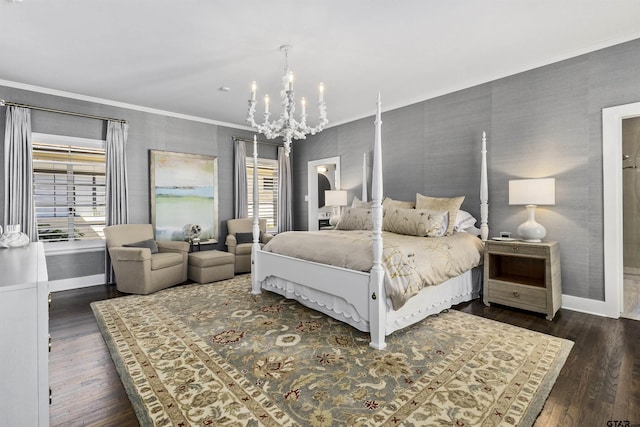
(53, 110)
(237, 138)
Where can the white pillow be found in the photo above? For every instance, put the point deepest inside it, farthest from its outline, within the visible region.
(464, 220)
(416, 222)
(357, 203)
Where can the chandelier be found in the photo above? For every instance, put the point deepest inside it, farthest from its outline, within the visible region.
(286, 126)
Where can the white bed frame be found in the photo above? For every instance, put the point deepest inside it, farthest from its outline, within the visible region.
(356, 297)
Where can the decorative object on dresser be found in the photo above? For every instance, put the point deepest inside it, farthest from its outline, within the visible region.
(523, 275)
(336, 199)
(287, 127)
(24, 337)
(211, 355)
(531, 193)
(13, 237)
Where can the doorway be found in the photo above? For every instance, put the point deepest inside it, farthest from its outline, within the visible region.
(612, 163)
(631, 217)
(321, 174)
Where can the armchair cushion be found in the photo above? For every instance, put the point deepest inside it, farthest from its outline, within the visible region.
(244, 238)
(149, 243)
(165, 259)
(173, 246)
(248, 237)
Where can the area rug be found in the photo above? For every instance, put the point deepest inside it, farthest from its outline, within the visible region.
(213, 354)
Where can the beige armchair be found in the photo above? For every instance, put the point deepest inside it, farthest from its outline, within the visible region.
(240, 239)
(137, 269)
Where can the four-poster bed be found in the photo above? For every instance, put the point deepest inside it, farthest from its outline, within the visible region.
(360, 298)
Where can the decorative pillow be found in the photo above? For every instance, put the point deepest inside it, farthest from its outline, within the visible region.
(464, 220)
(246, 237)
(389, 203)
(150, 244)
(441, 203)
(416, 222)
(357, 203)
(355, 219)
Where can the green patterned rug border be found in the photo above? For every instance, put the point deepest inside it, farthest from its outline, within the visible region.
(257, 391)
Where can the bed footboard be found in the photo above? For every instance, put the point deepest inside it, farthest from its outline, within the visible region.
(349, 285)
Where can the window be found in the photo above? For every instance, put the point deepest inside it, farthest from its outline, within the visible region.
(267, 191)
(69, 187)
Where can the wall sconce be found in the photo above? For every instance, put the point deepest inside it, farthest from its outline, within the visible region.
(531, 193)
(335, 198)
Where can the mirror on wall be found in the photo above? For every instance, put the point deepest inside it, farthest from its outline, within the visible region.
(323, 174)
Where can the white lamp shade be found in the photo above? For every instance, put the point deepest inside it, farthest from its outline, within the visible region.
(335, 197)
(532, 191)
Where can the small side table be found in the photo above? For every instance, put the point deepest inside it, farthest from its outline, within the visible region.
(523, 275)
(197, 245)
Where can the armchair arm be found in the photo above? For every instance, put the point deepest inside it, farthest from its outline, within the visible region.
(266, 237)
(173, 246)
(129, 254)
(231, 243)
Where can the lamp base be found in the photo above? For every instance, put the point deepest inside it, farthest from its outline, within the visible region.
(530, 230)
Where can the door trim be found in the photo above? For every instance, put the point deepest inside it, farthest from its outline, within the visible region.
(612, 204)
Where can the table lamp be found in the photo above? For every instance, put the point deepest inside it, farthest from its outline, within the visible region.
(531, 193)
(335, 198)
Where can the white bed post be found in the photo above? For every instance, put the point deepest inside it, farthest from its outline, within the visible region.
(255, 284)
(377, 309)
(365, 196)
(484, 192)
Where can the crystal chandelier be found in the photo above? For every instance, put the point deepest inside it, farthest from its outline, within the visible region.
(287, 127)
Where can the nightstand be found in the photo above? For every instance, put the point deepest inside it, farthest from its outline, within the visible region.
(523, 275)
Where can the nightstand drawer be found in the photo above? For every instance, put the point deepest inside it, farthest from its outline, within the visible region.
(521, 249)
(520, 296)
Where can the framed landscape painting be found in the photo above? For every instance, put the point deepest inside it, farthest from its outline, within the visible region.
(183, 192)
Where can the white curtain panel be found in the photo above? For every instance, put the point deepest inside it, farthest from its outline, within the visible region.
(240, 179)
(117, 210)
(18, 172)
(285, 194)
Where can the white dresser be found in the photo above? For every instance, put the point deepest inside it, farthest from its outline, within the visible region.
(24, 337)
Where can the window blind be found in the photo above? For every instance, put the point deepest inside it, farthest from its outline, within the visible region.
(267, 191)
(69, 191)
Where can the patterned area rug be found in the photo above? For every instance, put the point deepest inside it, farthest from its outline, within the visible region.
(216, 355)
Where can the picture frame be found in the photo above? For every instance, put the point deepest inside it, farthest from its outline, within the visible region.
(183, 192)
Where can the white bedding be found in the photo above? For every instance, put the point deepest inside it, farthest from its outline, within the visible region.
(410, 263)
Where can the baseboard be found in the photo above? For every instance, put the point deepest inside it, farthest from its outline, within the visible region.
(586, 305)
(76, 283)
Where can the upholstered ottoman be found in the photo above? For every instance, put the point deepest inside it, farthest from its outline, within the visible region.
(210, 266)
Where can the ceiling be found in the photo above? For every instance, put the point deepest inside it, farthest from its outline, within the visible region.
(173, 56)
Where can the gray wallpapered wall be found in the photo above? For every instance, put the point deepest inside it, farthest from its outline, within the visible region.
(544, 122)
(146, 131)
(541, 123)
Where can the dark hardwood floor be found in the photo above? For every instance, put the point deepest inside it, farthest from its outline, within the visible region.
(599, 384)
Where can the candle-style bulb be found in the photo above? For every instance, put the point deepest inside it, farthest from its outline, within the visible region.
(321, 93)
(304, 105)
(290, 80)
(253, 91)
(266, 103)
